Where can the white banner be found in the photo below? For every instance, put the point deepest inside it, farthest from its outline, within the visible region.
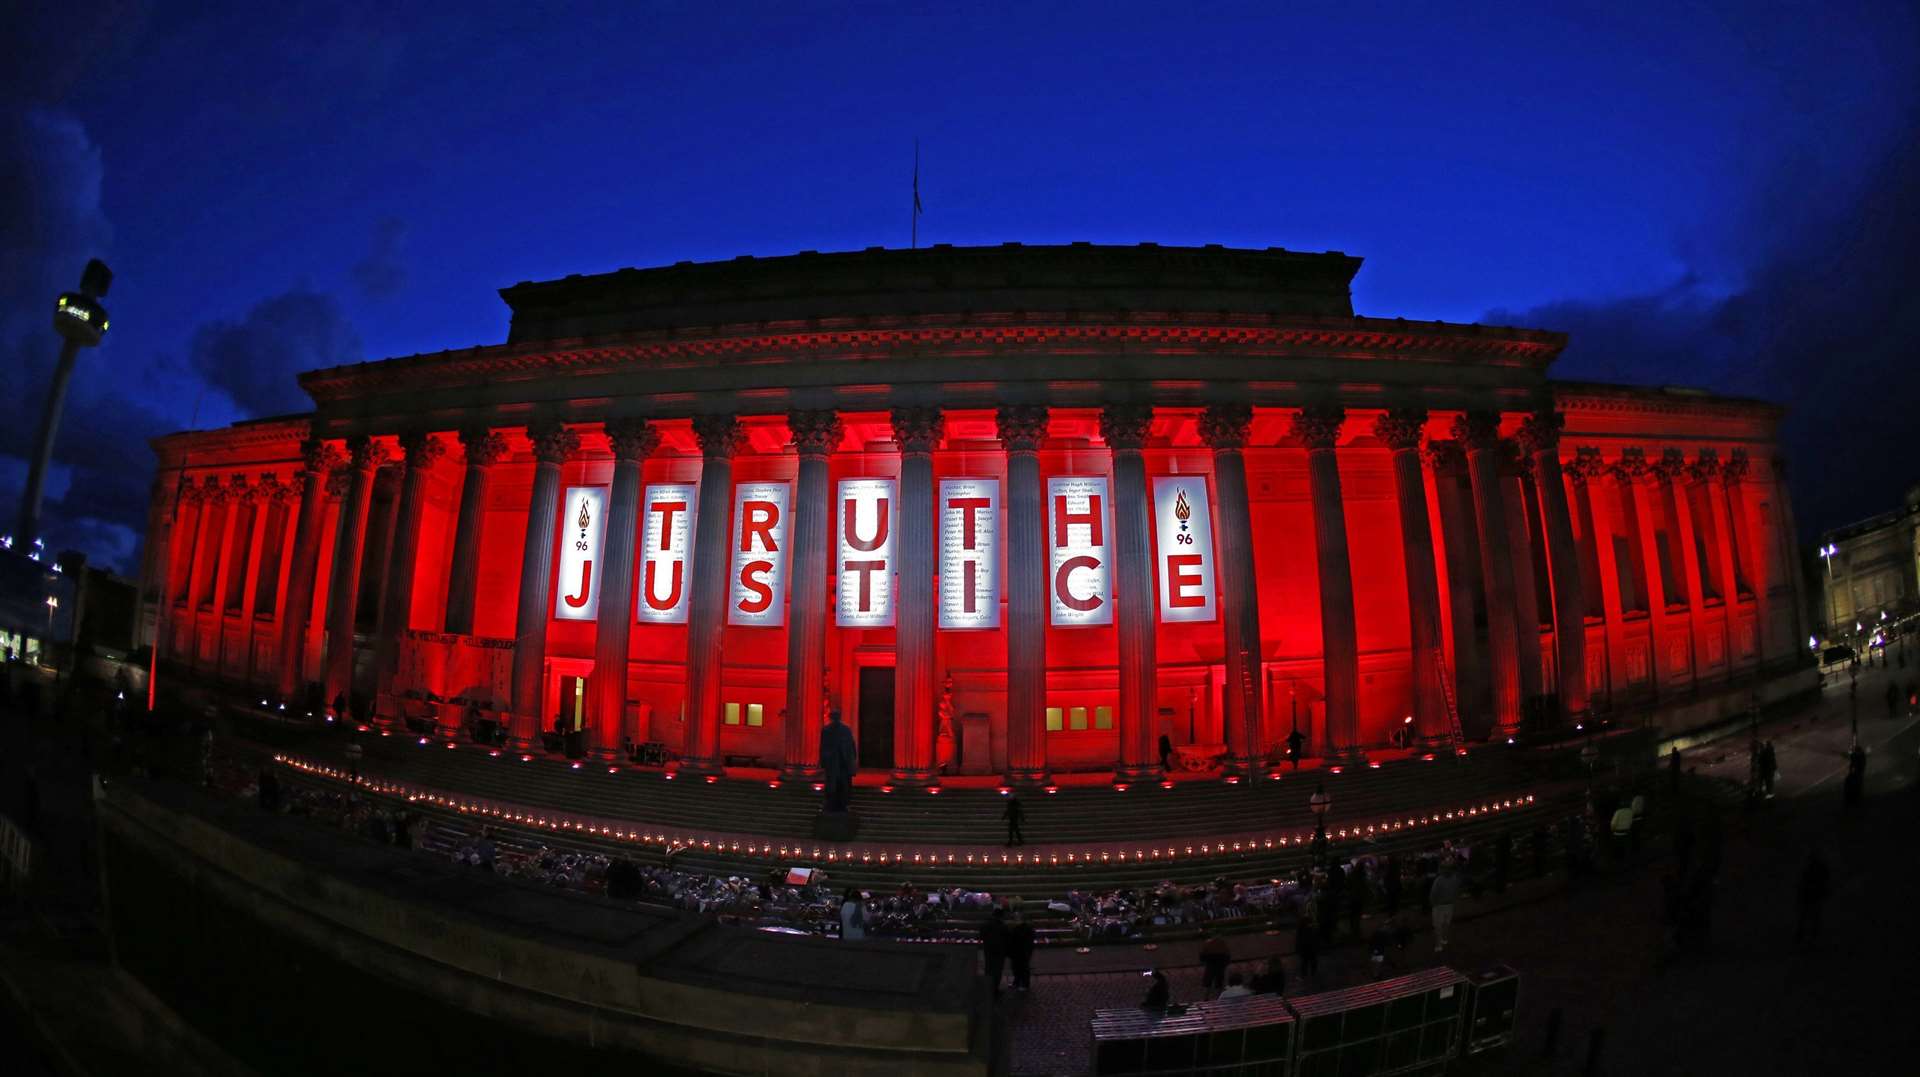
(1183, 537)
(666, 553)
(969, 553)
(1080, 534)
(759, 555)
(583, 531)
(864, 511)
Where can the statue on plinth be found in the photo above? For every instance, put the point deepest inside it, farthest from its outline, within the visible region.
(945, 743)
(838, 762)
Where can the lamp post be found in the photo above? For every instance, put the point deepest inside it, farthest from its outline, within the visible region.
(1589, 755)
(46, 646)
(1319, 802)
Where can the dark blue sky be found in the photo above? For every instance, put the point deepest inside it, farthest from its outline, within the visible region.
(1718, 195)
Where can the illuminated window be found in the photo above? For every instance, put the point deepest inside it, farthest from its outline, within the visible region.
(755, 714)
(1077, 718)
(1056, 719)
(733, 714)
(1103, 717)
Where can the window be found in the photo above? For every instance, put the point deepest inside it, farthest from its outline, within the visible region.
(1103, 717)
(1056, 719)
(733, 714)
(1077, 718)
(1080, 718)
(756, 714)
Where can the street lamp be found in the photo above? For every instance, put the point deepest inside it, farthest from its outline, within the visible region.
(46, 649)
(1319, 802)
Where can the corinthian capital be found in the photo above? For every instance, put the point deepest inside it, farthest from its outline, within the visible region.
(1446, 458)
(485, 447)
(1022, 427)
(631, 439)
(1401, 428)
(553, 442)
(720, 436)
(422, 448)
(1736, 468)
(1477, 431)
(1318, 425)
(815, 433)
(1632, 466)
(364, 453)
(1586, 465)
(1540, 431)
(917, 430)
(1705, 466)
(1671, 465)
(320, 456)
(1224, 426)
(1124, 427)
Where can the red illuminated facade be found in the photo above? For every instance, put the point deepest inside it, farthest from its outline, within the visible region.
(1011, 510)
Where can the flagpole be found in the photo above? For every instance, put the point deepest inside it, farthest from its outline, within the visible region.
(915, 240)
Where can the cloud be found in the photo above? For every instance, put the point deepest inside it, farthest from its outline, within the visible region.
(1823, 322)
(256, 360)
(382, 274)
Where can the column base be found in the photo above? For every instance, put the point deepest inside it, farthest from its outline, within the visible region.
(520, 745)
(1139, 772)
(913, 778)
(1028, 779)
(1347, 757)
(800, 772)
(701, 768)
(604, 755)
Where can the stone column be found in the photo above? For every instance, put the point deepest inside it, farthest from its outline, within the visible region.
(1125, 428)
(1598, 525)
(1401, 429)
(1479, 433)
(484, 448)
(422, 451)
(917, 431)
(319, 459)
(1706, 471)
(1223, 427)
(1521, 505)
(553, 444)
(1636, 489)
(816, 434)
(364, 457)
(264, 495)
(193, 513)
(238, 495)
(720, 437)
(1022, 428)
(632, 441)
(1670, 473)
(1540, 439)
(1751, 549)
(1317, 426)
(1460, 547)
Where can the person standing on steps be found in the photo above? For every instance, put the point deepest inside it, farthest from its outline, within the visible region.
(1855, 785)
(1014, 814)
(1769, 768)
(1166, 753)
(853, 916)
(1295, 742)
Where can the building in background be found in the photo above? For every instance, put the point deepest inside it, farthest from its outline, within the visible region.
(1870, 573)
(1011, 510)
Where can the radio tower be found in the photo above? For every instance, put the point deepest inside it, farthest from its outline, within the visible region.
(81, 321)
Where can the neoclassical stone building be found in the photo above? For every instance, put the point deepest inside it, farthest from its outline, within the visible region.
(1010, 510)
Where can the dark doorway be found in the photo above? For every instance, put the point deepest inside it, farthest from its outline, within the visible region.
(876, 718)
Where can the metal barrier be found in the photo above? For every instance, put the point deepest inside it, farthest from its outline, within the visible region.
(1409, 1024)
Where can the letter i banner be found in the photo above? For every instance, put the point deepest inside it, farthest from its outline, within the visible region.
(1183, 548)
(583, 531)
(666, 553)
(758, 592)
(969, 541)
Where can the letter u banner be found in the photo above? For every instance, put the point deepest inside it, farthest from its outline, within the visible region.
(1183, 540)
(758, 595)
(863, 518)
(666, 553)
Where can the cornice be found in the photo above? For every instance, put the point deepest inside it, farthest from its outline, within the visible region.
(934, 337)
